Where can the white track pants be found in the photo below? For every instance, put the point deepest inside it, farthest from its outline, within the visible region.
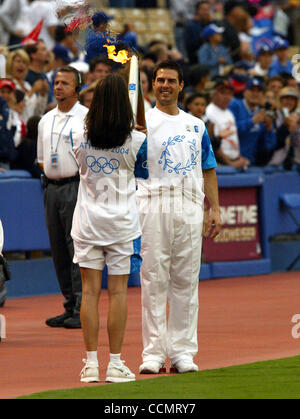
(171, 252)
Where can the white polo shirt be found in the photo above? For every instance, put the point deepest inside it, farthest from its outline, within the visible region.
(106, 211)
(54, 141)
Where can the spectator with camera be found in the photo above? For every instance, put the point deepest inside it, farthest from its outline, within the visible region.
(255, 124)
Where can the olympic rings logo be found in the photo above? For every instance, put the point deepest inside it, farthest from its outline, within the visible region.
(96, 165)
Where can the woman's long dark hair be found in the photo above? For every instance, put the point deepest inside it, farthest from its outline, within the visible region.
(110, 119)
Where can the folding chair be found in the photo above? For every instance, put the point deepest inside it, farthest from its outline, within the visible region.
(291, 202)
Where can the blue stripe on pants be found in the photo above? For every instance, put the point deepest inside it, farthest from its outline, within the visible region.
(136, 260)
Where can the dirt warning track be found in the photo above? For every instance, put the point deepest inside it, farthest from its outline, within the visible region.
(241, 320)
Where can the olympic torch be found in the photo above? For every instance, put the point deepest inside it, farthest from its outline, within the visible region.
(133, 83)
(131, 75)
(136, 95)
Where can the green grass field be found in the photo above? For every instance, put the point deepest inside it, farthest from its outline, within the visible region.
(278, 379)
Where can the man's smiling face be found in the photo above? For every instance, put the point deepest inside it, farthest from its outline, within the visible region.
(166, 86)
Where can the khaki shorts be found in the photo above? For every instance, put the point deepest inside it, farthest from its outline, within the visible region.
(120, 258)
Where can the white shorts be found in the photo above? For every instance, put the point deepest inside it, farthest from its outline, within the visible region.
(120, 258)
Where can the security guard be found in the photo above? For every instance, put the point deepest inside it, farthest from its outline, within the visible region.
(61, 181)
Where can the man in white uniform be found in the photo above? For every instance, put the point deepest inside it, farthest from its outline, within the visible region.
(180, 160)
(61, 182)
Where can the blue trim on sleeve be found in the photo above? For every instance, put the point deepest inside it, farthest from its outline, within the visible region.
(141, 167)
(208, 156)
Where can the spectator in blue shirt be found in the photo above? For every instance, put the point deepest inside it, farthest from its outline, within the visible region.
(255, 127)
(98, 37)
(213, 53)
(193, 30)
(281, 63)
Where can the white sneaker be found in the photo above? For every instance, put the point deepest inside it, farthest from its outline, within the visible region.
(152, 367)
(184, 365)
(119, 373)
(90, 372)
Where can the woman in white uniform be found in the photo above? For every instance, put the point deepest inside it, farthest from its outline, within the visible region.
(106, 228)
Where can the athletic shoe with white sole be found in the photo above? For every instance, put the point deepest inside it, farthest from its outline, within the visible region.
(152, 367)
(119, 373)
(182, 366)
(90, 372)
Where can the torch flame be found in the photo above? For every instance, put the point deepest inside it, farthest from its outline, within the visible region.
(121, 57)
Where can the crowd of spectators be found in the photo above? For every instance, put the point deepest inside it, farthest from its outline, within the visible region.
(238, 75)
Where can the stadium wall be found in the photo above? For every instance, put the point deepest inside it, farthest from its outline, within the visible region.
(22, 215)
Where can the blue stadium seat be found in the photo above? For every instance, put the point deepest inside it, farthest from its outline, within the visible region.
(15, 174)
(226, 170)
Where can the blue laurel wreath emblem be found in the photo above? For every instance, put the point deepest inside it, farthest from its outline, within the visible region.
(96, 165)
(181, 167)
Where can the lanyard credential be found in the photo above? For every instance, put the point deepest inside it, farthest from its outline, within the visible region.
(59, 138)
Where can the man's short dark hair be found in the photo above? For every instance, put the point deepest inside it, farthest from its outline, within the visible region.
(99, 60)
(150, 56)
(200, 3)
(61, 33)
(275, 78)
(170, 65)
(77, 75)
(230, 5)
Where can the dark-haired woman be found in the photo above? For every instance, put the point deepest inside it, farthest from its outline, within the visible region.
(106, 229)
